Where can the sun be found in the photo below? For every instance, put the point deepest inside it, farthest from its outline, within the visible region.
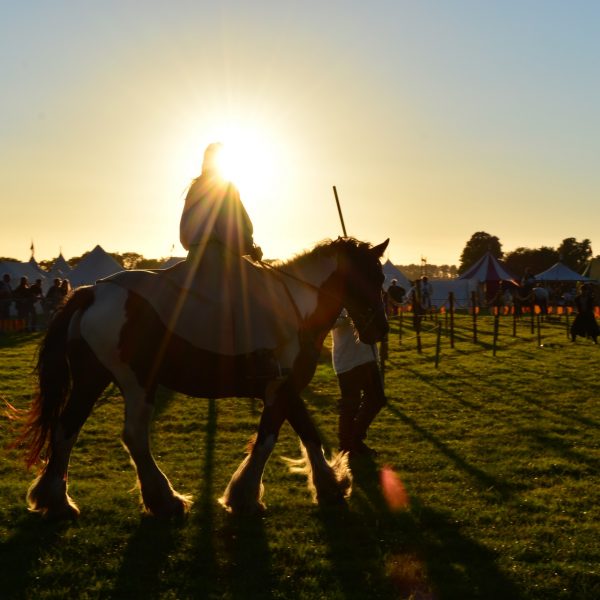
(251, 159)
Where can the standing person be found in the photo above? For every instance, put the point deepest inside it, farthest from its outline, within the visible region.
(24, 301)
(54, 297)
(585, 324)
(361, 386)
(5, 297)
(541, 298)
(65, 288)
(214, 223)
(426, 294)
(37, 295)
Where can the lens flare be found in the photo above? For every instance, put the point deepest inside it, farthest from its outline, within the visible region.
(393, 489)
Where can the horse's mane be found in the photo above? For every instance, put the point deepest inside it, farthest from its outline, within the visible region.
(323, 249)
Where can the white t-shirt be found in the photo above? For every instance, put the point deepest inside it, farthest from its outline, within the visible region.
(348, 351)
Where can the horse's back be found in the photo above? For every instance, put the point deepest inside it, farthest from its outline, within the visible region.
(214, 313)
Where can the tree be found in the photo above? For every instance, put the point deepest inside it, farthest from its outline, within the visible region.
(534, 259)
(575, 254)
(480, 243)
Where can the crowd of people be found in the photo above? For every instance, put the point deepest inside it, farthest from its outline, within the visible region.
(27, 301)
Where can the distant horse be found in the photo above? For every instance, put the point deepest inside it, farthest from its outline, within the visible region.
(106, 333)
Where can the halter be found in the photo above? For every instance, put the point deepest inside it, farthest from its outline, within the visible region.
(369, 312)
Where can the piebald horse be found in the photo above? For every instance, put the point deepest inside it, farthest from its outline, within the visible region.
(105, 333)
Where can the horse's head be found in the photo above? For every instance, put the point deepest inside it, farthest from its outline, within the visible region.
(363, 276)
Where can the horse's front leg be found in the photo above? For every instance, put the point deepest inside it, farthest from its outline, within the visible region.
(244, 492)
(159, 498)
(329, 481)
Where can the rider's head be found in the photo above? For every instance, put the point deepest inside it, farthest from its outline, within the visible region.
(210, 164)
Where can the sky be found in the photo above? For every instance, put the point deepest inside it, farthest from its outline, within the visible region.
(434, 120)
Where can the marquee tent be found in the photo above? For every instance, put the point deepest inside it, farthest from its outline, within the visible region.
(170, 262)
(96, 265)
(486, 274)
(60, 269)
(593, 269)
(16, 270)
(392, 272)
(560, 272)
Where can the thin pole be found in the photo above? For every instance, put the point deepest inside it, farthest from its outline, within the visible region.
(337, 201)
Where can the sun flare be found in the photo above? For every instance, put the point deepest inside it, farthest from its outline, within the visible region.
(251, 160)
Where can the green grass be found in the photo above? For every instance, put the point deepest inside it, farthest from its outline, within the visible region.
(500, 456)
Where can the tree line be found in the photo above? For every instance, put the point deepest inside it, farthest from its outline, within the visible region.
(571, 252)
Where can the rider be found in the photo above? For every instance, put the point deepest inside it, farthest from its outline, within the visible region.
(217, 232)
(214, 219)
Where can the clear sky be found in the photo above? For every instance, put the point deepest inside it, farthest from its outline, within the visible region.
(433, 119)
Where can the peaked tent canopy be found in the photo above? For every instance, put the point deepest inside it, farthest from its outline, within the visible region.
(60, 269)
(485, 275)
(170, 262)
(96, 265)
(560, 272)
(392, 272)
(593, 269)
(488, 269)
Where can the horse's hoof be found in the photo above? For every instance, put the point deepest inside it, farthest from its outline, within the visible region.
(243, 509)
(177, 506)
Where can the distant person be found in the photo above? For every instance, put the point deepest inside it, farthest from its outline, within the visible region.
(361, 387)
(426, 294)
(214, 223)
(24, 302)
(527, 281)
(541, 297)
(65, 288)
(585, 324)
(54, 297)
(6, 297)
(395, 294)
(37, 296)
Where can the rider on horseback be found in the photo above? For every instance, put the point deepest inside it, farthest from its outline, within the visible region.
(214, 219)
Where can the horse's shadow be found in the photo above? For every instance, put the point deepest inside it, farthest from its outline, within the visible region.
(20, 553)
(417, 552)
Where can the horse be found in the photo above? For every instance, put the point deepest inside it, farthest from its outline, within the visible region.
(105, 333)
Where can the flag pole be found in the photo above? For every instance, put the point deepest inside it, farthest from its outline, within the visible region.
(380, 363)
(337, 201)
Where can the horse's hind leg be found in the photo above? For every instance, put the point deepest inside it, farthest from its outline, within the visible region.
(159, 498)
(48, 492)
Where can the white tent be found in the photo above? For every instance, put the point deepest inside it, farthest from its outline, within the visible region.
(96, 265)
(60, 268)
(16, 270)
(560, 272)
(170, 262)
(392, 272)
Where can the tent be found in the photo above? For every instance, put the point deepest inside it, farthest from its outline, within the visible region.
(485, 276)
(560, 272)
(96, 265)
(16, 270)
(593, 269)
(392, 272)
(170, 262)
(60, 269)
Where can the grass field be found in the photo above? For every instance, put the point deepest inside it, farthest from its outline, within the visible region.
(499, 455)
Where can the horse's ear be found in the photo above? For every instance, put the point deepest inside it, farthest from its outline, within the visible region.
(379, 250)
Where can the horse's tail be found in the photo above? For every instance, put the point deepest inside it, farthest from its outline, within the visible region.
(53, 377)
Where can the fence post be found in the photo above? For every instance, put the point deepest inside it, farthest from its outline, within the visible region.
(451, 308)
(438, 345)
(401, 313)
(539, 330)
(474, 306)
(496, 328)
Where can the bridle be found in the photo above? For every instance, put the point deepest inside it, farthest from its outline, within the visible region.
(365, 317)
